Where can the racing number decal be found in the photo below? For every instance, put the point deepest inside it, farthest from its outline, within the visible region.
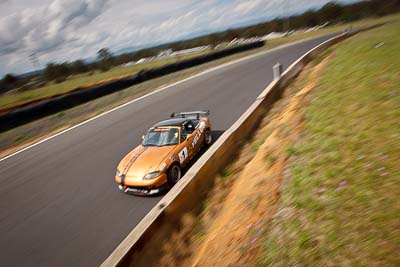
(183, 154)
(197, 137)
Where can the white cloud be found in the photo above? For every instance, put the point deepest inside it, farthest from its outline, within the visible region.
(245, 7)
(48, 30)
(58, 30)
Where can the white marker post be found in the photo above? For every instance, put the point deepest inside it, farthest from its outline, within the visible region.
(278, 69)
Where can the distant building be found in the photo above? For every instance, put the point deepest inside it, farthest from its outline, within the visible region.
(130, 63)
(273, 35)
(143, 60)
(316, 28)
(190, 50)
(165, 53)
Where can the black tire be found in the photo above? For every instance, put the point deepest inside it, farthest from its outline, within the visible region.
(174, 174)
(207, 138)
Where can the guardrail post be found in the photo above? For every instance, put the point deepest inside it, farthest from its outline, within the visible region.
(278, 69)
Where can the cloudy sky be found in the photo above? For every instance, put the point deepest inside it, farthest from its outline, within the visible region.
(66, 30)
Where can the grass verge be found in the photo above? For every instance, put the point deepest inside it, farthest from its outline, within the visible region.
(340, 198)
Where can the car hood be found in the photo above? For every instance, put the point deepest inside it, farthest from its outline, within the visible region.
(143, 160)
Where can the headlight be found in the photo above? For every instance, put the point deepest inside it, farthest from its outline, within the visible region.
(118, 173)
(152, 175)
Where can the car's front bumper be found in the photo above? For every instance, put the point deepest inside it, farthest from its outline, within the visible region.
(142, 191)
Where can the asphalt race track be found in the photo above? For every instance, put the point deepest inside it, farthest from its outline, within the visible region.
(58, 200)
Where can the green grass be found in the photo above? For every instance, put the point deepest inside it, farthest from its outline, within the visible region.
(85, 79)
(340, 203)
(256, 145)
(270, 159)
(228, 171)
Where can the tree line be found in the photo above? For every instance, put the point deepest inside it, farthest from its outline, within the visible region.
(332, 12)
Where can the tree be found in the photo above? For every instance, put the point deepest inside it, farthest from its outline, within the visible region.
(212, 39)
(309, 19)
(104, 54)
(56, 72)
(105, 59)
(10, 78)
(78, 66)
(331, 11)
(8, 82)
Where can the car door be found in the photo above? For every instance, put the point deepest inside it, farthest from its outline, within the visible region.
(198, 136)
(184, 150)
(189, 137)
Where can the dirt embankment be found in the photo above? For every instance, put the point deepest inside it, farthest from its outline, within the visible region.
(245, 198)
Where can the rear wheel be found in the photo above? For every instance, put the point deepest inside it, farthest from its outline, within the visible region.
(207, 138)
(174, 174)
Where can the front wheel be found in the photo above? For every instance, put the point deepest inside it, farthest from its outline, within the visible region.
(174, 174)
(207, 138)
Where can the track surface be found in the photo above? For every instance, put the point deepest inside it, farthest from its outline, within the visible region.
(58, 201)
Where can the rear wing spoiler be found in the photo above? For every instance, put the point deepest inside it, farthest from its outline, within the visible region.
(191, 114)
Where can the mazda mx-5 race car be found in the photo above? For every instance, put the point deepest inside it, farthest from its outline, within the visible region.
(166, 149)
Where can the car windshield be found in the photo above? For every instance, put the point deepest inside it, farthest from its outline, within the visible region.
(161, 137)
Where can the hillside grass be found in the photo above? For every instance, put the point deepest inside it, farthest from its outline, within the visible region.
(87, 79)
(340, 199)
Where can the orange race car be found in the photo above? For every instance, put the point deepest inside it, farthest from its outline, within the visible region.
(166, 149)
